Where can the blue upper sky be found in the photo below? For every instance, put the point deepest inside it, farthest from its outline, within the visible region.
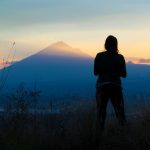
(18, 13)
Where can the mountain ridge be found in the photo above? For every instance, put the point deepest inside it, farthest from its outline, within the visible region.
(72, 74)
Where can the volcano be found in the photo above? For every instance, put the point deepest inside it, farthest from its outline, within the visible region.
(58, 67)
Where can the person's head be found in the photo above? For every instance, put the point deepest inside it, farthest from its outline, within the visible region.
(111, 44)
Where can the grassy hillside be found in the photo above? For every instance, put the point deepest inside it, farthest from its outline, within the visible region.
(74, 128)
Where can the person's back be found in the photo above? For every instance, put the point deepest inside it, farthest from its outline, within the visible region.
(110, 66)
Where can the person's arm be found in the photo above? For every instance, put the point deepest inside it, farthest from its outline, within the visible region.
(96, 65)
(123, 68)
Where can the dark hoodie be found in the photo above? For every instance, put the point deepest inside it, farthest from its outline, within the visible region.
(109, 67)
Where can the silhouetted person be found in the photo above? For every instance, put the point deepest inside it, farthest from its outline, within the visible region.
(109, 66)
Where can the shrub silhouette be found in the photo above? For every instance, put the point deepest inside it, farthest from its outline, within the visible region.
(73, 128)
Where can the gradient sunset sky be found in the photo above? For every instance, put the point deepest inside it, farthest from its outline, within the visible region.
(84, 24)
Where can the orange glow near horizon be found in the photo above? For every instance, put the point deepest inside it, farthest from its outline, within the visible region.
(133, 46)
(5, 63)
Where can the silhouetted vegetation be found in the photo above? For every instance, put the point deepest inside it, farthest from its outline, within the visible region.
(26, 125)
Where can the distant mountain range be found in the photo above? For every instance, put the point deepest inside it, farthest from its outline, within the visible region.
(60, 69)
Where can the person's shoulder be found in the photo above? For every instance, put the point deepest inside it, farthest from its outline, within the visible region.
(120, 55)
(101, 53)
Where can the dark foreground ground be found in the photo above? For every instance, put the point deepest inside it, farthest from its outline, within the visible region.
(73, 129)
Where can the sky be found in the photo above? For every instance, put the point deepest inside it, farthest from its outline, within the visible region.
(84, 24)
